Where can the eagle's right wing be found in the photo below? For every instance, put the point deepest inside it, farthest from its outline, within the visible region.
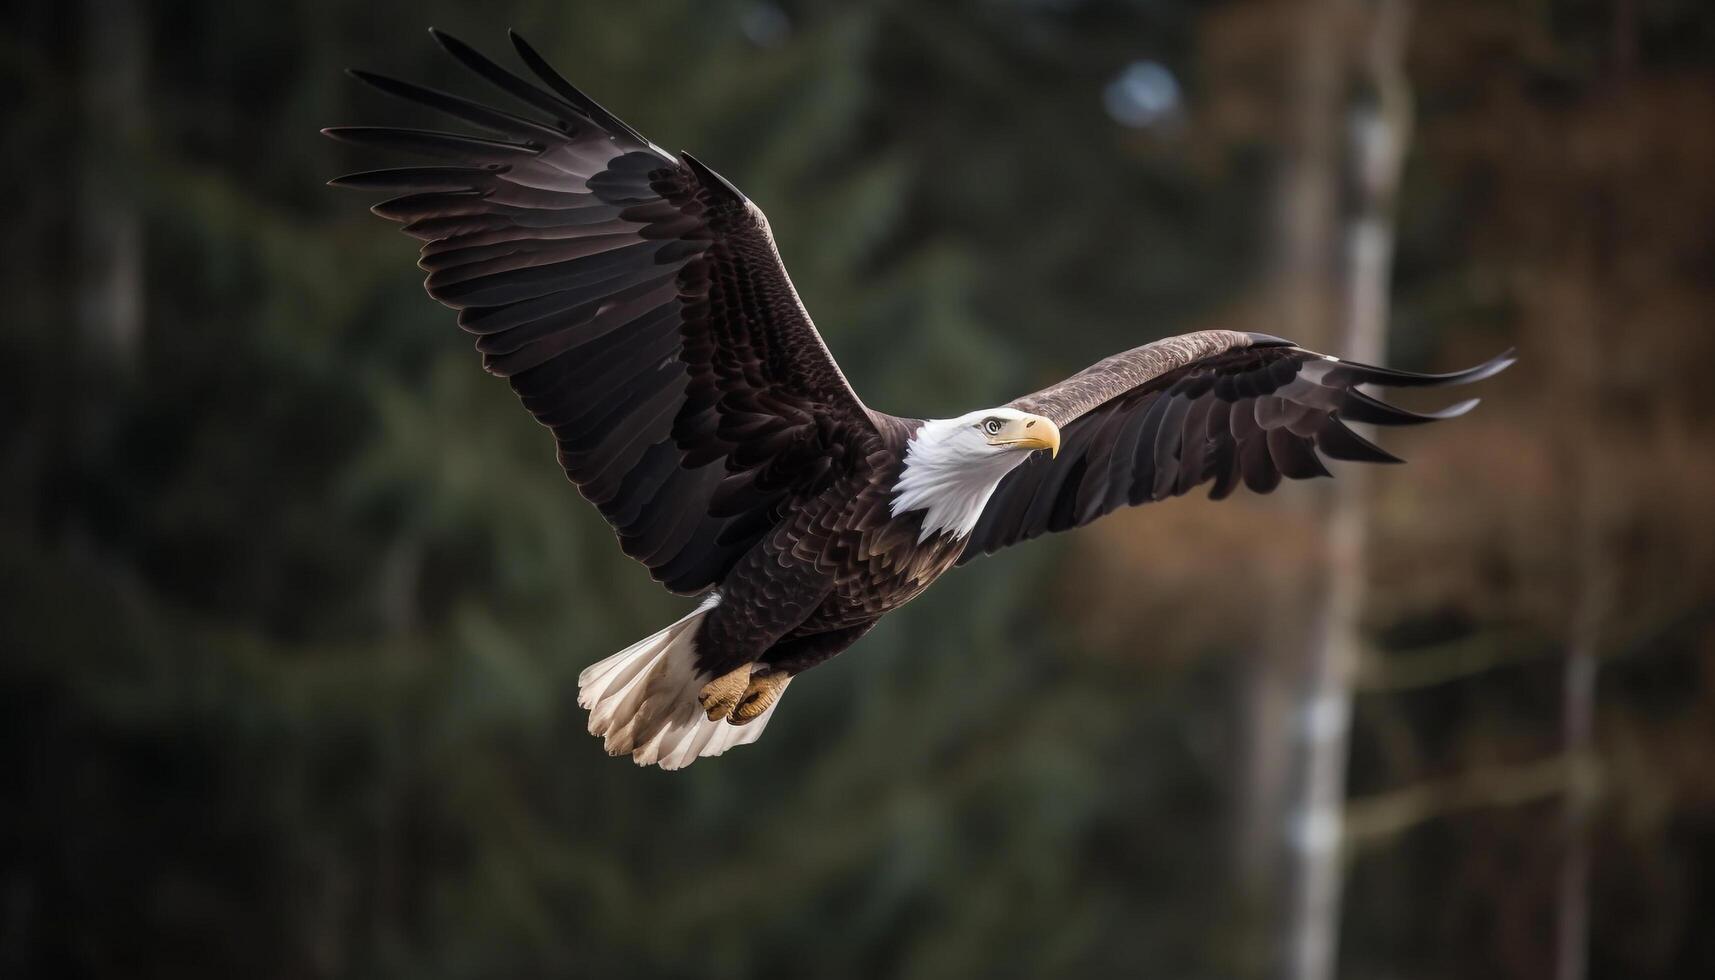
(636, 303)
(1162, 419)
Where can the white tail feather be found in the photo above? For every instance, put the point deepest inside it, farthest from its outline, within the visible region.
(643, 700)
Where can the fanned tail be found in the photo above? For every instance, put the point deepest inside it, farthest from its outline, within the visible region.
(643, 700)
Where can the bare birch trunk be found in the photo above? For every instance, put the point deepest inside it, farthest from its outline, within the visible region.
(1303, 291)
(1377, 129)
(1593, 587)
(109, 274)
(1578, 710)
(106, 305)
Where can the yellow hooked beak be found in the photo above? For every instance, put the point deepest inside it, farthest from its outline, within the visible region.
(1030, 432)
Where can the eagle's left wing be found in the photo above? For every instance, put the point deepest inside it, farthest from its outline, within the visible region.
(1218, 405)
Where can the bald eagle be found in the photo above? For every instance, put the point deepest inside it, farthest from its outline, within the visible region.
(635, 301)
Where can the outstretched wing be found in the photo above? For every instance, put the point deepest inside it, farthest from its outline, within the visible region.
(1220, 406)
(636, 303)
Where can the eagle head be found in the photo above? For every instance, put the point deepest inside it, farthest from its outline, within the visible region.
(953, 465)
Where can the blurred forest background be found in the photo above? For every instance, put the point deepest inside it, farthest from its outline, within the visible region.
(293, 597)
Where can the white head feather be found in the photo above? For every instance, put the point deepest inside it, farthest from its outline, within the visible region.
(952, 467)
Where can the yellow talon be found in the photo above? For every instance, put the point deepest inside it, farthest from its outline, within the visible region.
(721, 696)
(765, 688)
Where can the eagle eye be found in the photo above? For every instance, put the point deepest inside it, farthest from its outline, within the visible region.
(991, 426)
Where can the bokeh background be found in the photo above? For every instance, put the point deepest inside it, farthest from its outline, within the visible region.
(294, 597)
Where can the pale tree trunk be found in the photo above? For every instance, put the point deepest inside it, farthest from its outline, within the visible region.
(1593, 587)
(1578, 712)
(106, 277)
(1373, 130)
(109, 255)
(1303, 290)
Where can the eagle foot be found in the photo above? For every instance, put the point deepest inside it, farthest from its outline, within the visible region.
(720, 696)
(765, 688)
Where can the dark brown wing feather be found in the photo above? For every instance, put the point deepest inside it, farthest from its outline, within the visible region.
(1217, 406)
(637, 305)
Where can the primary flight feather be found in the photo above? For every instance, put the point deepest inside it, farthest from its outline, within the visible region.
(635, 301)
